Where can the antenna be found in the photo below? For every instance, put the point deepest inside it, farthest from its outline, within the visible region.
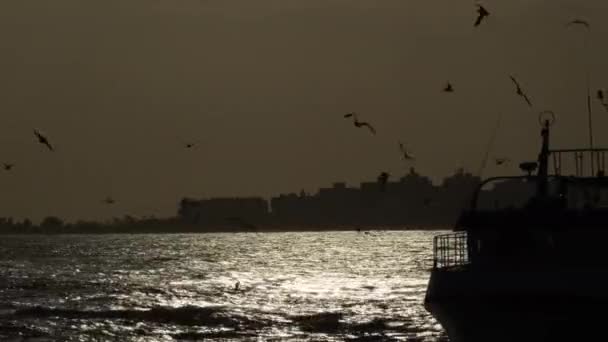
(589, 109)
(587, 27)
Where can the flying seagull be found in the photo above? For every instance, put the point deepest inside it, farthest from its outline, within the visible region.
(579, 22)
(43, 140)
(360, 124)
(482, 13)
(501, 161)
(405, 153)
(448, 88)
(109, 200)
(8, 167)
(519, 91)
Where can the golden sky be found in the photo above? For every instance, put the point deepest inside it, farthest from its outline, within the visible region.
(120, 85)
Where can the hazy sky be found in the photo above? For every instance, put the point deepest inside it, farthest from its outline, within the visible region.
(120, 85)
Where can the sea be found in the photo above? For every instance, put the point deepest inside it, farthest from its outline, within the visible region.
(293, 286)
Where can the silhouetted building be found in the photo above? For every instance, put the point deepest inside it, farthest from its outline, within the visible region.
(411, 200)
(224, 211)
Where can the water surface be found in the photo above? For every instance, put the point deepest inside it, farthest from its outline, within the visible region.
(334, 286)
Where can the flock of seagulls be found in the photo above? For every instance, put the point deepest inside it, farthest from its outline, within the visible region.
(406, 155)
(482, 13)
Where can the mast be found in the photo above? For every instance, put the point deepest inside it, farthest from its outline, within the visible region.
(543, 162)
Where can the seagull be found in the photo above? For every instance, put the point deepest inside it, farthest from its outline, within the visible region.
(405, 153)
(519, 91)
(501, 161)
(109, 200)
(579, 22)
(43, 140)
(448, 88)
(8, 167)
(482, 14)
(360, 124)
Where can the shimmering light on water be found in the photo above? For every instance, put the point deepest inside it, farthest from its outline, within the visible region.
(327, 286)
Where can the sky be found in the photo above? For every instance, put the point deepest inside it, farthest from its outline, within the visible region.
(119, 86)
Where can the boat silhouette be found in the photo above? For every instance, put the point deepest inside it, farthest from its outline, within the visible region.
(537, 272)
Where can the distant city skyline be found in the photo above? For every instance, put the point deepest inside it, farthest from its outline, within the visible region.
(119, 87)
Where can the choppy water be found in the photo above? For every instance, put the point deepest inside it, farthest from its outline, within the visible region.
(293, 286)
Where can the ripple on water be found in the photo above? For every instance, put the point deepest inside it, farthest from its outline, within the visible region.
(325, 286)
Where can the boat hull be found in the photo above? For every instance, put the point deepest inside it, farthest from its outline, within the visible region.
(519, 306)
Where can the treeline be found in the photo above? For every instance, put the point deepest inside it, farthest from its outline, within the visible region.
(55, 225)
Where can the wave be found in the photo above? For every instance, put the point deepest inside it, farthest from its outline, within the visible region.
(186, 315)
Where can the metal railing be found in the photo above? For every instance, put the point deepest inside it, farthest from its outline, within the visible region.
(450, 250)
(579, 157)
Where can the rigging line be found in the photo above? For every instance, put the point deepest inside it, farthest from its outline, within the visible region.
(588, 88)
(484, 161)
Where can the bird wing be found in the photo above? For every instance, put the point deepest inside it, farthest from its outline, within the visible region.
(579, 22)
(48, 144)
(527, 100)
(482, 13)
(371, 128)
(515, 81)
(478, 21)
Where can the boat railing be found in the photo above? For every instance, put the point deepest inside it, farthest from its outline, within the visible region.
(450, 250)
(596, 157)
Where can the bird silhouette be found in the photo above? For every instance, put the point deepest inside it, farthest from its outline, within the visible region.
(43, 140)
(8, 167)
(482, 13)
(405, 154)
(579, 22)
(519, 91)
(360, 124)
(448, 88)
(501, 161)
(109, 200)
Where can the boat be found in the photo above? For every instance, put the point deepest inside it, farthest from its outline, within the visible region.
(533, 272)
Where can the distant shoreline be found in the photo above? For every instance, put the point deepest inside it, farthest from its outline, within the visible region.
(187, 229)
